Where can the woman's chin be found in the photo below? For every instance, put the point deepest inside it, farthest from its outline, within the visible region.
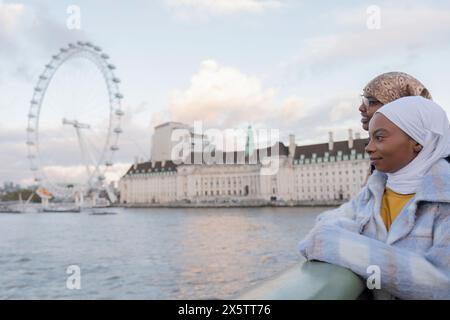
(365, 126)
(384, 169)
(381, 168)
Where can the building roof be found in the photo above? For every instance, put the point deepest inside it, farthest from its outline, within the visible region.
(320, 149)
(239, 157)
(151, 167)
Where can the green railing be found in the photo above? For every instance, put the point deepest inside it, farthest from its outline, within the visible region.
(311, 280)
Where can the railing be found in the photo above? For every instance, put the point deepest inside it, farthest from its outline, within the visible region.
(311, 280)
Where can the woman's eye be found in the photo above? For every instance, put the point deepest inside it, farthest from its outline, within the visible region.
(379, 138)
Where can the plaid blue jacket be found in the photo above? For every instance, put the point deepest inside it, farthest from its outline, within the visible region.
(413, 257)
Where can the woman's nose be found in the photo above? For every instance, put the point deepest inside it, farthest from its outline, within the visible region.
(362, 108)
(370, 147)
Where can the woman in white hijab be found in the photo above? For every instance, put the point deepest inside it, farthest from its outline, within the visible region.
(400, 221)
(425, 125)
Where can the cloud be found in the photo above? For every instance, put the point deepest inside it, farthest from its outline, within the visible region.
(223, 97)
(189, 8)
(27, 33)
(47, 34)
(403, 29)
(10, 14)
(337, 114)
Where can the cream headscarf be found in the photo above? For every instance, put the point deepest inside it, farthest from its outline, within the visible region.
(425, 122)
(391, 86)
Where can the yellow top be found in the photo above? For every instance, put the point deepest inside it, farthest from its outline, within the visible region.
(392, 204)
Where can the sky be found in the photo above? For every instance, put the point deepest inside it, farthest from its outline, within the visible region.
(297, 66)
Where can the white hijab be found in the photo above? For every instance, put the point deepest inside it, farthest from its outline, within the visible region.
(425, 122)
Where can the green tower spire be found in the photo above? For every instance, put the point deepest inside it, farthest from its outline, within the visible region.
(249, 144)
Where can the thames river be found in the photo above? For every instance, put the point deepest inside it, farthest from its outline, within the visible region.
(148, 253)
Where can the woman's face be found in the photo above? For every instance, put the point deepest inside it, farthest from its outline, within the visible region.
(389, 148)
(367, 111)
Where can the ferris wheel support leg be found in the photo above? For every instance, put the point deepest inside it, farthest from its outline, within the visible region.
(44, 202)
(94, 198)
(79, 199)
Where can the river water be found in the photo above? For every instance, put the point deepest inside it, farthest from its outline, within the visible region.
(148, 253)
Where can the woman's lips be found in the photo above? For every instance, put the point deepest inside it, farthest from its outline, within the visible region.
(364, 120)
(374, 161)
